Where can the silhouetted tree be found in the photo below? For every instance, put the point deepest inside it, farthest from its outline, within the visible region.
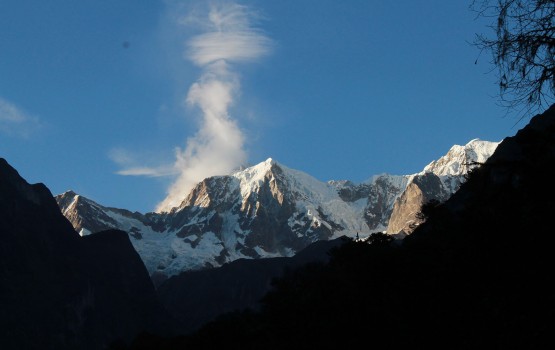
(379, 238)
(523, 49)
(427, 209)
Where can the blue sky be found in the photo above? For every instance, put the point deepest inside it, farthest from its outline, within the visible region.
(96, 96)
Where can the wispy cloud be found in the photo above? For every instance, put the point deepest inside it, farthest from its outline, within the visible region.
(146, 171)
(130, 165)
(15, 122)
(228, 37)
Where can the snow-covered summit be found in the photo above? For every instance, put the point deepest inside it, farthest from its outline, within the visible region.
(253, 176)
(460, 159)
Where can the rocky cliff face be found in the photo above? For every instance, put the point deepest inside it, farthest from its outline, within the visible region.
(61, 291)
(269, 210)
(438, 181)
(377, 195)
(420, 190)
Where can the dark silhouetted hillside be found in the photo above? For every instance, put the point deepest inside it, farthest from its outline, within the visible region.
(196, 297)
(61, 291)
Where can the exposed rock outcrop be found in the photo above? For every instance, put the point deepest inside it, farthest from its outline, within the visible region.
(420, 190)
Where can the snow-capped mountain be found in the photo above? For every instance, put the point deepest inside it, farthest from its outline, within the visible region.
(268, 210)
(438, 181)
(460, 159)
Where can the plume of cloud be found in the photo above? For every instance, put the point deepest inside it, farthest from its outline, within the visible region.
(15, 122)
(218, 146)
(228, 38)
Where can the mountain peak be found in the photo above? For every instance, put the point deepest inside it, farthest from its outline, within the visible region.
(267, 164)
(460, 159)
(256, 172)
(14, 185)
(69, 193)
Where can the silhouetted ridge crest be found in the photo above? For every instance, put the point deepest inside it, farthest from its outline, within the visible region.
(60, 291)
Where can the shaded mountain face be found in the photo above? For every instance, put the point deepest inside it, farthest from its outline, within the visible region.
(269, 210)
(59, 290)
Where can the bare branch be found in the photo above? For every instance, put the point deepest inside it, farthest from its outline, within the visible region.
(523, 50)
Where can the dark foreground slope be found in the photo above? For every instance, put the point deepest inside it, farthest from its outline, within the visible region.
(196, 297)
(477, 274)
(58, 290)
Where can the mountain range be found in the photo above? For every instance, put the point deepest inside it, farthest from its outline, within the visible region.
(476, 272)
(270, 210)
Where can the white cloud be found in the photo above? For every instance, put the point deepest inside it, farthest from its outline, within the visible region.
(130, 165)
(228, 37)
(15, 122)
(233, 47)
(146, 171)
(218, 146)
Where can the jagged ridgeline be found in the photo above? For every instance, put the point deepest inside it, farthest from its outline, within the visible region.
(269, 210)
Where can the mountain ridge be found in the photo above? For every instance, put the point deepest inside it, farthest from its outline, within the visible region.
(267, 210)
(62, 291)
